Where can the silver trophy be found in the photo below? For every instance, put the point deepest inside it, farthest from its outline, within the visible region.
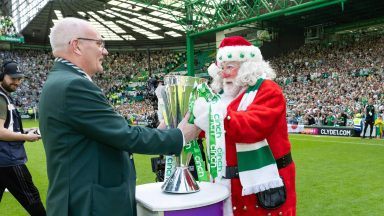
(176, 101)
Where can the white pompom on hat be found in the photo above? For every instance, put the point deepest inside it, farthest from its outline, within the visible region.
(213, 70)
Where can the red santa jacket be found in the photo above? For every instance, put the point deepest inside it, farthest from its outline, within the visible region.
(264, 118)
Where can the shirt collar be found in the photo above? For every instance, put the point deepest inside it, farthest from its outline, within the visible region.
(70, 64)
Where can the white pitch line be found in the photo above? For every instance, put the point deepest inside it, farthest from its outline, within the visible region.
(328, 141)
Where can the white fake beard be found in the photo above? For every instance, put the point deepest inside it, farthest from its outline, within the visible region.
(230, 88)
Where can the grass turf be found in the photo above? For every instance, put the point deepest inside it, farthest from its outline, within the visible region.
(335, 175)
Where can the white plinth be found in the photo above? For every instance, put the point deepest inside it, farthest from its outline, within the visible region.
(151, 197)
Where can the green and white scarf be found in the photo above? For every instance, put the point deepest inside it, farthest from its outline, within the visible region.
(256, 164)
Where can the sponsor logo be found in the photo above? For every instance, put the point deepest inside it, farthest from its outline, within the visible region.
(168, 169)
(219, 159)
(199, 165)
(336, 132)
(188, 146)
(212, 153)
(313, 131)
(217, 124)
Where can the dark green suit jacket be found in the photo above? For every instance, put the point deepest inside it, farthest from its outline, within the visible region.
(87, 146)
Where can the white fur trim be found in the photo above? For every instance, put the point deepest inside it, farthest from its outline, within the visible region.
(201, 113)
(213, 70)
(253, 189)
(238, 53)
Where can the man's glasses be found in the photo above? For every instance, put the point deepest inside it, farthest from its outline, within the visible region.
(99, 42)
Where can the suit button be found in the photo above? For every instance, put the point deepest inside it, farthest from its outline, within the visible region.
(245, 208)
(234, 208)
(228, 117)
(280, 213)
(269, 214)
(257, 206)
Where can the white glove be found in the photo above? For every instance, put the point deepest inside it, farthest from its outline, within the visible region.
(201, 113)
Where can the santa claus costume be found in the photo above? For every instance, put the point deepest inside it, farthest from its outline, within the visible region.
(255, 127)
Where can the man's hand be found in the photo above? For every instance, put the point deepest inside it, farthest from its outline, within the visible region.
(190, 131)
(32, 135)
(162, 125)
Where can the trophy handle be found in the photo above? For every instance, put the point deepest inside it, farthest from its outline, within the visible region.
(179, 159)
(188, 158)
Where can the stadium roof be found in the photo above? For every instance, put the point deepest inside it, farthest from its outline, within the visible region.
(350, 15)
(121, 22)
(159, 23)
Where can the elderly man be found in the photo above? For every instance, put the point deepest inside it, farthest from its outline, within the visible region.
(88, 145)
(253, 159)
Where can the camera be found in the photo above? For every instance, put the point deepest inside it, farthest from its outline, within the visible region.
(37, 131)
(32, 130)
(158, 167)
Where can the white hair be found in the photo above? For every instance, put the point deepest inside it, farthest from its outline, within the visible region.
(248, 74)
(65, 30)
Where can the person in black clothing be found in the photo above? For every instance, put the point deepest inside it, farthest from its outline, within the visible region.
(14, 175)
(369, 117)
(342, 119)
(311, 119)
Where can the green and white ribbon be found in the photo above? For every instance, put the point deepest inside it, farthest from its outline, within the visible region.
(193, 148)
(214, 153)
(212, 144)
(201, 90)
(216, 141)
(215, 134)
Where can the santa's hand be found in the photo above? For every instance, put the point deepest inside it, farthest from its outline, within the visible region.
(201, 113)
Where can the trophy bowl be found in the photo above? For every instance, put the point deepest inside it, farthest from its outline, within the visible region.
(176, 96)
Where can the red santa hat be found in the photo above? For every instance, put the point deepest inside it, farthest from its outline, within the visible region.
(235, 48)
(253, 66)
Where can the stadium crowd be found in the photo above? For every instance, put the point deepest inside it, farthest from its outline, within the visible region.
(6, 26)
(120, 70)
(323, 84)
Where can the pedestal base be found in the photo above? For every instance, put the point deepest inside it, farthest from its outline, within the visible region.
(151, 201)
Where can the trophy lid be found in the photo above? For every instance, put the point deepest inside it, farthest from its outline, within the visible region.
(183, 80)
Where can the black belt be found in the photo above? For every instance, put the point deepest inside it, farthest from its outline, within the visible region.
(232, 171)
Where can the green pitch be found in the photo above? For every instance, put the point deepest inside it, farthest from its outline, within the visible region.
(335, 175)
